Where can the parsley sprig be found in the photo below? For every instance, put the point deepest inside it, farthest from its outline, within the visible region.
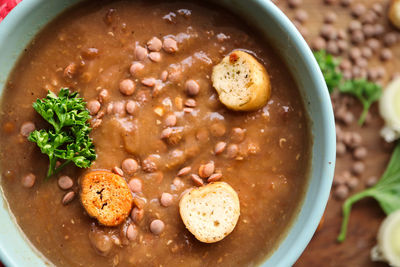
(366, 92)
(329, 67)
(69, 139)
(386, 192)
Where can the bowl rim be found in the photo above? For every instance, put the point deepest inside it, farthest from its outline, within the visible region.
(303, 238)
(329, 136)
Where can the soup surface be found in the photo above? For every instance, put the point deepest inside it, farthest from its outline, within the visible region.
(264, 155)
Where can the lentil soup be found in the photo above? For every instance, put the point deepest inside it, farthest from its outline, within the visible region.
(144, 70)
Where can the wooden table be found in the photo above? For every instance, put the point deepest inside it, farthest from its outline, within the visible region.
(366, 215)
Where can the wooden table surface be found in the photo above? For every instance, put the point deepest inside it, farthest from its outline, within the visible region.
(366, 216)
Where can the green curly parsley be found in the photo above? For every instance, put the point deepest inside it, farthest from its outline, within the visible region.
(68, 140)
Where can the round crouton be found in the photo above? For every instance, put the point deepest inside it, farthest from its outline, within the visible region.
(210, 212)
(241, 81)
(106, 197)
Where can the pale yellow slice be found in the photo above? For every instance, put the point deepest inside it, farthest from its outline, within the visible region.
(210, 212)
(241, 82)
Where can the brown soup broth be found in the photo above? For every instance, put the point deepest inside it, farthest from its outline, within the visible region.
(269, 170)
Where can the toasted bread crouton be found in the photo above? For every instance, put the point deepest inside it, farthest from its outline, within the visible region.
(241, 81)
(210, 212)
(106, 197)
(394, 13)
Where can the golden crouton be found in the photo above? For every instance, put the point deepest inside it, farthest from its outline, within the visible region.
(106, 197)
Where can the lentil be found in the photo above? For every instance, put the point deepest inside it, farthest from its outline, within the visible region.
(170, 45)
(358, 167)
(197, 180)
(129, 166)
(214, 177)
(135, 185)
(94, 107)
(28, 180)
(135, 68)
(166, 199)
(192, 87)
(137, 215)
(27, 128)
(141, 53)
(127, 87)
(341, 192)
(155, 56)
(157, 227)
(154, 44)
(219, 147)
(206, 170)
(131, 232)
(131, 107)
(68, 197)
(184, 171)
(65, 182)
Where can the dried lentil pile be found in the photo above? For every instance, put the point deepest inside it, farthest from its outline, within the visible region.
(364, 45)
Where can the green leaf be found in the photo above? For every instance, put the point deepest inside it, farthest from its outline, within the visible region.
(386, 192)
(69, 139)
(366, 92)
(329, 67)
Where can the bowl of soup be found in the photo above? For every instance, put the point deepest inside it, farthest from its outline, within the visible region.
(144, 71)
